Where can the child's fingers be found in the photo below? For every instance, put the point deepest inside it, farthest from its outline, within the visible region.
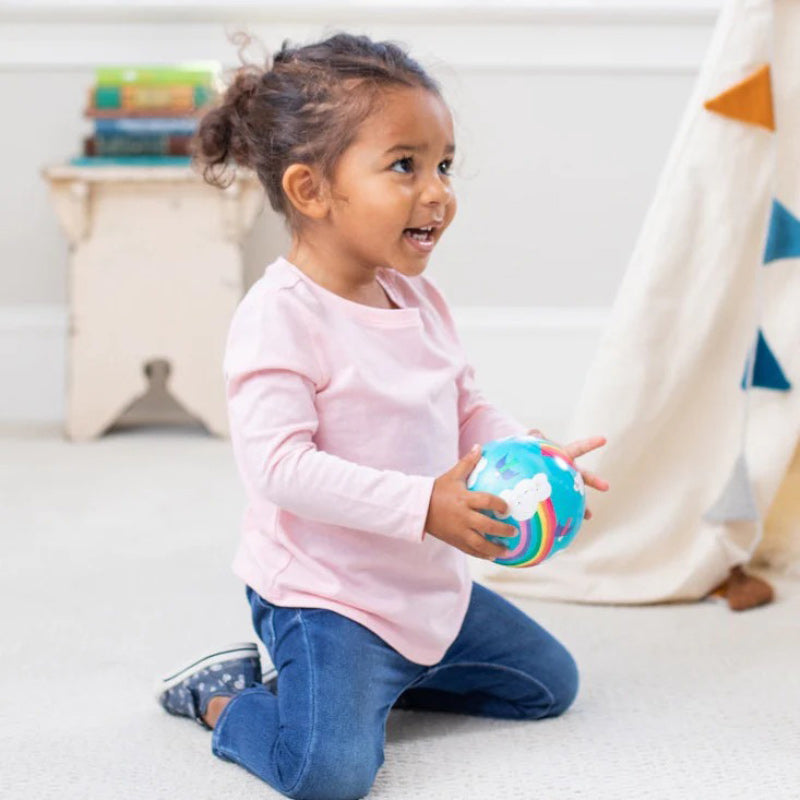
(595, 482)
(587, 514)
(582, 446)
(488, 502)
(467, 463)
(481, 547)
(483, 524)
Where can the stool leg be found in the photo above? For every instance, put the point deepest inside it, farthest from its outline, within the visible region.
(100, 387)
(197, 384)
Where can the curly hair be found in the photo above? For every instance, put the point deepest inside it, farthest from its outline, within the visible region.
(304, 108)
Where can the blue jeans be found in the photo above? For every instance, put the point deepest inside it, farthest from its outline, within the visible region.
(321, 736)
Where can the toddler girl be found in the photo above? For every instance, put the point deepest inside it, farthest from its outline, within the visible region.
(353, 413)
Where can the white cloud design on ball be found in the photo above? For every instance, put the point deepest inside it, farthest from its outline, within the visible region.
(523, 500)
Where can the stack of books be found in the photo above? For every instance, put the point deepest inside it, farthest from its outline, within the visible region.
(147, 115)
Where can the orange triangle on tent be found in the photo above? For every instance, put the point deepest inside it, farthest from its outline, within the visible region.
(749, 100)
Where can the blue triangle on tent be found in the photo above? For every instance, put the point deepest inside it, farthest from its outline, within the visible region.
(767, 372)
(783, 239)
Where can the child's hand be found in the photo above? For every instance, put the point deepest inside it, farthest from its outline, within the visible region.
(454, 515)
(579, 448)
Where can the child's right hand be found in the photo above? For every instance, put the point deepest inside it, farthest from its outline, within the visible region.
(454, 515)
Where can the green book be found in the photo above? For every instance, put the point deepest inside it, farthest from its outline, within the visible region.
(165, 96)
(198, 73)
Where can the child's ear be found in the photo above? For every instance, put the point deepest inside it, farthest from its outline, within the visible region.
(305, 188)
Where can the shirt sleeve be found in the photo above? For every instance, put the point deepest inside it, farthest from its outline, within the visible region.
(479, 420)
(272, 375)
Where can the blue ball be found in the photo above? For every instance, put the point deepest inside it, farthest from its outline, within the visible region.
(544, 491)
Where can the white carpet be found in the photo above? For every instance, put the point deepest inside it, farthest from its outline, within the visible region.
(115, 568)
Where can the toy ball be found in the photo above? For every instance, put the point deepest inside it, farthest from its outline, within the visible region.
(544, 491)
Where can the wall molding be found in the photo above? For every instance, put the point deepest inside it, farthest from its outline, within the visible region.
(435, 11)
(511, 349)
(523, 35)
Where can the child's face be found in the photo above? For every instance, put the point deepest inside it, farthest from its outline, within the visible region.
(395, 177)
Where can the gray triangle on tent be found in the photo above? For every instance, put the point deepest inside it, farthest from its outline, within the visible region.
(737, 502)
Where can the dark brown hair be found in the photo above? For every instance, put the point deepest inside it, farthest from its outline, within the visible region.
(304, 108)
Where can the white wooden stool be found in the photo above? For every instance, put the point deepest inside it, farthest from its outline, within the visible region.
(155, 274)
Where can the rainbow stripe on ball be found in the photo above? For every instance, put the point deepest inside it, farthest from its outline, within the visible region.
(551, 451)
(536, 538)
(539, 533)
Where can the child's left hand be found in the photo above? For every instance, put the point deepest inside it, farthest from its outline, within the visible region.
(579, 448)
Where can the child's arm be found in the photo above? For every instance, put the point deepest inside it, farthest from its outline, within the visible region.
(272, 374)
(273, 422)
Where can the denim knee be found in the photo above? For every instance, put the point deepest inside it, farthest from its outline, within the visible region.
(564, 685)
(557, 689)
(337, 776)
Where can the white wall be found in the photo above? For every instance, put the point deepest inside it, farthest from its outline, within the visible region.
(564, 114)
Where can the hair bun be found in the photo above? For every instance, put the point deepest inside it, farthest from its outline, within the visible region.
(239, 97)
(222, 136)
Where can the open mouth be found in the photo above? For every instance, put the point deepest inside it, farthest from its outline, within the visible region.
(419, 234)
(421, 239)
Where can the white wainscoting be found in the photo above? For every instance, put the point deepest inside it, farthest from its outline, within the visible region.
(33, 352)
(566, 109)
(530, 361)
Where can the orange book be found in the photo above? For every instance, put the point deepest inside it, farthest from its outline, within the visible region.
(157, 97)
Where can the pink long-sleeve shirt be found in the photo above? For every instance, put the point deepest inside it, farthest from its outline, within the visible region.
(342, 415)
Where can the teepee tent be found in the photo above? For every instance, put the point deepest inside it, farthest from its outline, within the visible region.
(696, 383)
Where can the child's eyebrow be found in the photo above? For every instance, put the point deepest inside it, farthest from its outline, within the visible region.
(449, 148)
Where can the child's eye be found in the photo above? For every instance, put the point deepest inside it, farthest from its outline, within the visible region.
(446, 166)
(406, 162)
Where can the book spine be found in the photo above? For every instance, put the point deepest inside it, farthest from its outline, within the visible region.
(200, 75)
(113, 145)
(180, 98)
(131, 161)
(164, 126)
(140, 113)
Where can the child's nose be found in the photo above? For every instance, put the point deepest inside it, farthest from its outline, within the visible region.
(437, 191)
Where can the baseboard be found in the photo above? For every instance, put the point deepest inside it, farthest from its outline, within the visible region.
(529, 360)
(33, 352)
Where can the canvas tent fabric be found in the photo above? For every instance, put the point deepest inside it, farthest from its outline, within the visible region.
(665, 386)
